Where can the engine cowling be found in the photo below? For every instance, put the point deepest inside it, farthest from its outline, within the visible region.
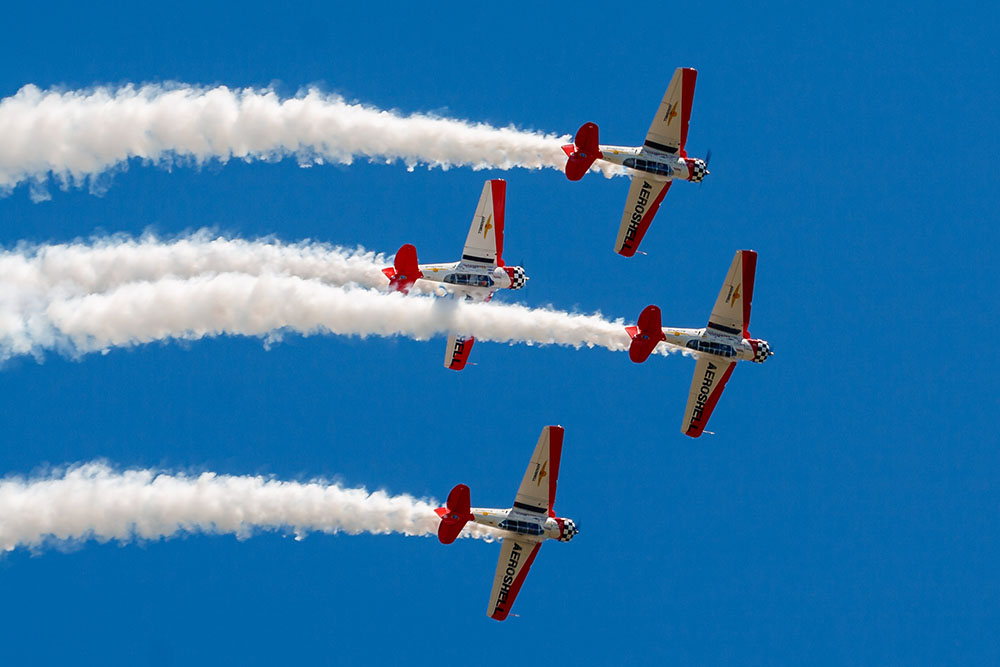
(567, 529)
(697, 169)
(761, 350)
(518, 278)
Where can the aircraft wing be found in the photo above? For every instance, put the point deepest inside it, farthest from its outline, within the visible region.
(484, 244)
(457, 350)
(710, 377)
(669, 130)
(644, 197)
(516, 557)
(537, 492)
(731, 313)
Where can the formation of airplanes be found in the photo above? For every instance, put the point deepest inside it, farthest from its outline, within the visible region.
(481, 272)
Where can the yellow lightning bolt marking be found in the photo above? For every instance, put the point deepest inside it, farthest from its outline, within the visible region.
(736, 295)
(542, 474)
(671, 112)
(488, 226)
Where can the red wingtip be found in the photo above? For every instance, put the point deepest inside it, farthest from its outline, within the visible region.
(460, 354)
(556, 434)
(499, 191)
(749, 273)
(688, 79)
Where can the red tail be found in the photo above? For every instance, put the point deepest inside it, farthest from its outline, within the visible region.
(585, 149)
(405, 271)
(646, 336)
(455, 515)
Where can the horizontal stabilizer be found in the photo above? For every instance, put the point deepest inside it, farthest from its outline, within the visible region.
(646, 336)
(457, 513)
(404, 271)
(585, 150)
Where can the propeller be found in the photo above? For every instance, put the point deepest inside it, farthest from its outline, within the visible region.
(708, 158)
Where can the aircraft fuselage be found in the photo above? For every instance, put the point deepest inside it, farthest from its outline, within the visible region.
(705, 341)
(655, 165)
(475, 281)
(529, 526)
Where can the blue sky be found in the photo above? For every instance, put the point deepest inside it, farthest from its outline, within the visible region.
(846, 510)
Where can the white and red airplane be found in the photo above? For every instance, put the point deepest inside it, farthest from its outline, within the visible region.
(653, 166)
(526, 525)
(717, 347)
(479, 273)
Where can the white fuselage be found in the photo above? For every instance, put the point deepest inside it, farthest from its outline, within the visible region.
(706, 341)
(474, 281)
(528, 526)
(653, 165)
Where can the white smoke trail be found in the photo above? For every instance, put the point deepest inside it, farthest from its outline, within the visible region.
(94, 502)
(78, 135)
(267, 305)
(79, 298)
(86, 268)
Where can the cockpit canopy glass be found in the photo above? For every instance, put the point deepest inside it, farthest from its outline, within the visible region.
(469, 279)
(719, 349)
(522, 527)
(650, 166)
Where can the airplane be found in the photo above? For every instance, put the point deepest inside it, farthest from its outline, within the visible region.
(717, 347)
(479, 273)
(653, 166)
(525, 526)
